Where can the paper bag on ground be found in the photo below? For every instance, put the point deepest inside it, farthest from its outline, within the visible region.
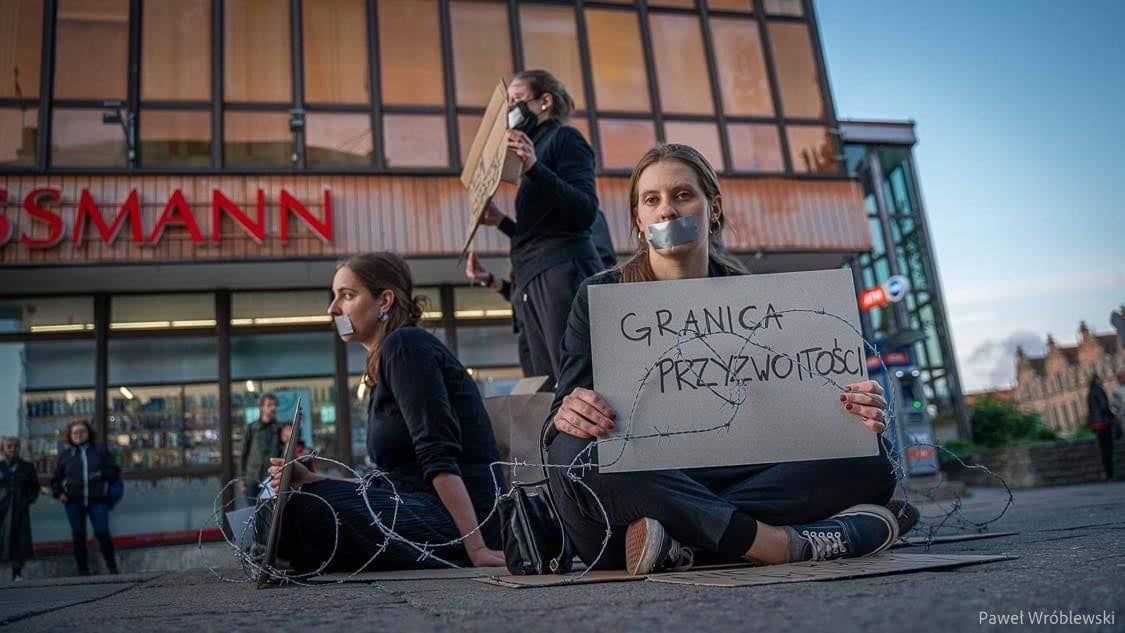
(517, 422)
(727, 371)
(489, 161)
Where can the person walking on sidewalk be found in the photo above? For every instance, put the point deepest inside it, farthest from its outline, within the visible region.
(261, 443)
(19, 488)
(84, 477)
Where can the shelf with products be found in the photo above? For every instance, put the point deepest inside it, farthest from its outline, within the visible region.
(165, 426)
(47, 414)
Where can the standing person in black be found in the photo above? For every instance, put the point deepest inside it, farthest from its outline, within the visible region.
(556, 206)
(19, 488)
(83, 476)
(1101, 420)
(427, 430)
(764, 513)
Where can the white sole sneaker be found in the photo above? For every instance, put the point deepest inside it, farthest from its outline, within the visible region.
(645, 542)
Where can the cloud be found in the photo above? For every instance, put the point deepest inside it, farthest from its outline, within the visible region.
(992, 362)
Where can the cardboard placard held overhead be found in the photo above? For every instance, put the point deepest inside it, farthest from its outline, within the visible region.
(489, 160)
(725, 371)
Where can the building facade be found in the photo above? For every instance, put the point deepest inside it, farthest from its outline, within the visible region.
(178, 181)
(914, 330)
(1055, 384)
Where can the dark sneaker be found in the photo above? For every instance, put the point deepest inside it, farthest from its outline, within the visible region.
(860, 530)
(905, 514)
(649, 548)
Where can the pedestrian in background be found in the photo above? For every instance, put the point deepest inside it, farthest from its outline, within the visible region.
(261, 442)
(84, 481)
(19, 488)
(1100, 419)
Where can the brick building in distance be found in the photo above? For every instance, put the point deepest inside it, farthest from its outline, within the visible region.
(1055, 385)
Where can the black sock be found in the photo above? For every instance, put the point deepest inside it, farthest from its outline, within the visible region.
(739, 535)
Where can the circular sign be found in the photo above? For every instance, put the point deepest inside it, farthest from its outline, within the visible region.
(896, 288)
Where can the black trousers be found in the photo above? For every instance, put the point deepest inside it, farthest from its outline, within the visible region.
(542, 308)
(696, 505)
(1105, 445)
(308, 532)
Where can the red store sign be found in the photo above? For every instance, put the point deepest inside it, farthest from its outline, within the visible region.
(42, 204)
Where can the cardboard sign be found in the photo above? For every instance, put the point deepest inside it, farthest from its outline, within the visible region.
(489, 160)
(725, 371)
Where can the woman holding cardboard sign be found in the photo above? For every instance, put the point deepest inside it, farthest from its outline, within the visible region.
(427, 430)
(556, 206)
(771, 513)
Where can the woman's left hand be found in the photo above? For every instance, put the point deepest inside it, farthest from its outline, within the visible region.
(521, 144)
(485, 557)
(865, 400)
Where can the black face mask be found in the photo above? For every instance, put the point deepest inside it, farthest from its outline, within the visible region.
(521, 118)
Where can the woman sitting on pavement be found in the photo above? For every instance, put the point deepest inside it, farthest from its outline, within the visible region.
(427, 430)
(766, 513)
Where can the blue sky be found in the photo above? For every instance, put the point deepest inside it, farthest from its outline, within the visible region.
(1020, 113)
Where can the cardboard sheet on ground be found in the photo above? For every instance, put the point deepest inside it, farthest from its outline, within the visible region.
(489, 160)
(885, 563)
(948, 538)
(728, 371)
(451, 573)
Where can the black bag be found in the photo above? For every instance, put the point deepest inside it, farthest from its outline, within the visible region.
(533, 536)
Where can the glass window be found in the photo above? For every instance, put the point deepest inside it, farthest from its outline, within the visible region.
(269, 307)
(92, 49)
(335, 42)
(168, 426)
(415, 140)
(730, 5)
(681, 69)
(175, 138)
(287, 354)
(410, 53)
(176, 50)
(181, 359)
(755, 147)
(878, 247)
(80, 138)
(146, 312)
(497, 381)
(784, 7)
(19, 136)
(482, 50)
(702, 136)
(318, 397)
(491, 345)
(257, 138)
(624, 141)
(742, 68)
(811, 150)
(617, 60)
(338, 139)
(47, 315)
(796, 70)
(54, 380)
(20, 48)
(550, 40)
(256, 43)
(480, 303)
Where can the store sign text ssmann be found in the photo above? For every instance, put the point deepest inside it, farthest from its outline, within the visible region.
(45, 206)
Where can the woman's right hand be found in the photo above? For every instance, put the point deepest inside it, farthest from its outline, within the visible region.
(585, 414)
(299, 475)
(491, 216)
(64, 498)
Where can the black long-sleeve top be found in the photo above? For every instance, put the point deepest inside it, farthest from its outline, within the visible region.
(426, 417)
(556, 205)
